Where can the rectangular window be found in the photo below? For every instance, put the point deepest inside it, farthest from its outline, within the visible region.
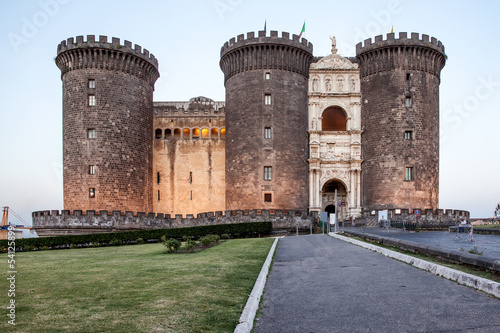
(91, 192)
(92, 84)
(91, 133)
(267, 99)
(91, 169)
(408, 102)
(407, 76)
(408, 135)
(158, 178)
(268, 197)
(91, 100)
(158, 195)
(268, 76)
(267, 132)
(268, 173)
(190, 178)
(409, 173)
(191, 195)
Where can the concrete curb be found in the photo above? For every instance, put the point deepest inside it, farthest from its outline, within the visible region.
(485, 285)
(248, 315)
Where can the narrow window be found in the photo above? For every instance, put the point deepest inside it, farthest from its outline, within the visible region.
(267, 99)
(407, 76)
(91, 83)
(158, 178)
(91, 169)
(409, 173)
(268, 173)
(91, 100)
(408, 102)
(158, 133)
(268, 76)
(268, 197)
(91, 192)
(158, 195)
(91, 133)
(190, 178)
(191, 195)
(408, 135)
(267, 132)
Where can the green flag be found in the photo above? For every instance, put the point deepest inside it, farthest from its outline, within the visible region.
(303, 29)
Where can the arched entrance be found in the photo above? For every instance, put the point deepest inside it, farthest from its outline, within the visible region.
(330, 209)
(328, 196)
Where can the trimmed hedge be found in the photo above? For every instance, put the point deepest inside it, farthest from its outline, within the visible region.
(234, 229)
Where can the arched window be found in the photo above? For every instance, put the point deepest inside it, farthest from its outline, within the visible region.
(177, 133)
(158, 133)
(186, 133)
(168, 133)
(334, 119)
(215, 133)
(204, 133)
(222, 132)
(196, 133)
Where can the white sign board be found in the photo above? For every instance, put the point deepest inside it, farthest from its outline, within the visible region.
(382, 215)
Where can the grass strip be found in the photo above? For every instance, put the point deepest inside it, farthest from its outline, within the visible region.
(133, 288)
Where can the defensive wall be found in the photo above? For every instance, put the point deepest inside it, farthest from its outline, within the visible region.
(428, 218)
(65, 222)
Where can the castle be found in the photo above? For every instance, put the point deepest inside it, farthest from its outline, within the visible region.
(294, 132)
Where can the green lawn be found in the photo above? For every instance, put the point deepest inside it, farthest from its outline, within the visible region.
(135, 288)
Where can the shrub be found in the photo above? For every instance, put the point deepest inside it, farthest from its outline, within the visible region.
(115, 242)
(475, 250)
(45, 248)
(190, 243)
(172, 245)
(215, 238)
(224, 236)
(73, 246)
(140, 240)
(206, 241)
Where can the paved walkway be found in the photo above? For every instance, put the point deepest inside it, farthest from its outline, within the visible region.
(488, 244)
(321, 284)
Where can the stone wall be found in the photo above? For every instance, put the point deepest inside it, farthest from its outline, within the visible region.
(107, 123)
(400, 120)
(266, 80)
(428, 219)
(53, 223)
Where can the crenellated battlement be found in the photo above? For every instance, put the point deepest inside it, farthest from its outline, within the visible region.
(102, 43)
(241, 54)
(100, 54)
(263, 38)
(403, 40)
(408, 54)
(52, 223)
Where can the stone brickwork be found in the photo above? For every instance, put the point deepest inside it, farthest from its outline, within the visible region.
(428, 218)
(107, 123)
(400, 120)
(266, 81)
(55, 223)
(189, 156)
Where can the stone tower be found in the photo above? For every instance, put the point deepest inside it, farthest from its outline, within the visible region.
(400, 120)
(266, 80)
(107, 124)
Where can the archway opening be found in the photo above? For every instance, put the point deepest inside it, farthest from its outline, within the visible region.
(328, 194)
(334, 119)
(330, 209)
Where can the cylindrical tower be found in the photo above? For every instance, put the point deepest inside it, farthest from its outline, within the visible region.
(400, 120)
(266, 121)
(107, 124)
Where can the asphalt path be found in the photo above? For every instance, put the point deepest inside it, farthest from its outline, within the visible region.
(321, 284)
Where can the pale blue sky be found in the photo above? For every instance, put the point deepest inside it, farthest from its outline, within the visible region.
(186, 37)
